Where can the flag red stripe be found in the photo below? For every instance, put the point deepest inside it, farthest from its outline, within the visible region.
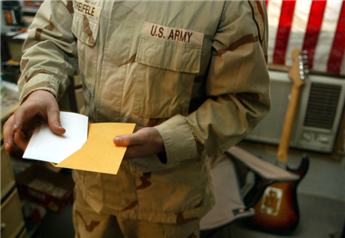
(338, 47)
(284, 28)
(316, 14)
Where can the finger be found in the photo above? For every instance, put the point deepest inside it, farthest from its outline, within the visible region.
(20, 139)
(133, 152)
(8, 134)
(54, 121)
(22, 114)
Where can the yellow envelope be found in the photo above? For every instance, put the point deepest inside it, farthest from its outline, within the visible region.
(99, 153)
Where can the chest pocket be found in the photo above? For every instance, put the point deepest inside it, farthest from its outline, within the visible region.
(168, 61)
(169, 54)
(86, 22)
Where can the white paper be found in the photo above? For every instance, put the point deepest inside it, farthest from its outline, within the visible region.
(46, 146)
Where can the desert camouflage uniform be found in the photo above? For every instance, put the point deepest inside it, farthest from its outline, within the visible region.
(196, 70)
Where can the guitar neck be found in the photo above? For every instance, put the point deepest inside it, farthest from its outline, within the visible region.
(283, 148)
(297, 74)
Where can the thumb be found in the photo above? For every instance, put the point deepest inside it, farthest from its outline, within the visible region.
(122, 140)
(137, 138)
(54, 122)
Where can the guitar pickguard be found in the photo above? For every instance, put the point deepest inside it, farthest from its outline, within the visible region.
(271, 201)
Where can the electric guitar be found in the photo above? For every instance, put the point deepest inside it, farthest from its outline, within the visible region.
(277, 210)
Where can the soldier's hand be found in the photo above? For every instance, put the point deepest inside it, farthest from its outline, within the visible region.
(144, 142)
(37, 106)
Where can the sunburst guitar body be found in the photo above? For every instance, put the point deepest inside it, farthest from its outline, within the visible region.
(277, 210)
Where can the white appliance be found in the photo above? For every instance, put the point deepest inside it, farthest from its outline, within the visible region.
(318, 114)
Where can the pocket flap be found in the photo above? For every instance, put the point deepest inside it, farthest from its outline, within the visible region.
(169, 54)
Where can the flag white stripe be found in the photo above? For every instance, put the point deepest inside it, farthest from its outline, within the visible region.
(273, 12)
(325, 41)
(298, 28)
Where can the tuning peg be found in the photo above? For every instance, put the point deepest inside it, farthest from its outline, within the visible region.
(302, 65)
(305, 73)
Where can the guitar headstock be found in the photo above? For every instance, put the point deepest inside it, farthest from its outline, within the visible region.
(300, 70)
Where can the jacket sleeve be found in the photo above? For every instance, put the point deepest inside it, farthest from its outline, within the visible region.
(49, 53)
(237, 88)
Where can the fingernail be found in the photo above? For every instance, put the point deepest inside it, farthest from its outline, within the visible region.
(15, 127)
(117, 140)
(6, 145)
(57, 124)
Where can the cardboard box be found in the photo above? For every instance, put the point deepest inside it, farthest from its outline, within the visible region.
(42, 186)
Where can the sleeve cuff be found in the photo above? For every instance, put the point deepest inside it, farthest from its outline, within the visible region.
(39, 82)
(178, 138)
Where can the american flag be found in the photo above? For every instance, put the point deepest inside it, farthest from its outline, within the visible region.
(317, 26)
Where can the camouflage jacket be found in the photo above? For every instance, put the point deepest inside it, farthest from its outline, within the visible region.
(196, 70)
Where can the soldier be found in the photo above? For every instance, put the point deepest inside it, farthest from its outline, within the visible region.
(191, 75)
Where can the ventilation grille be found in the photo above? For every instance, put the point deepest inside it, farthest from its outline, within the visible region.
(322, 105)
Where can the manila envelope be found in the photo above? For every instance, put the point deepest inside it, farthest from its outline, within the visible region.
(99, 153)
(84, 146)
